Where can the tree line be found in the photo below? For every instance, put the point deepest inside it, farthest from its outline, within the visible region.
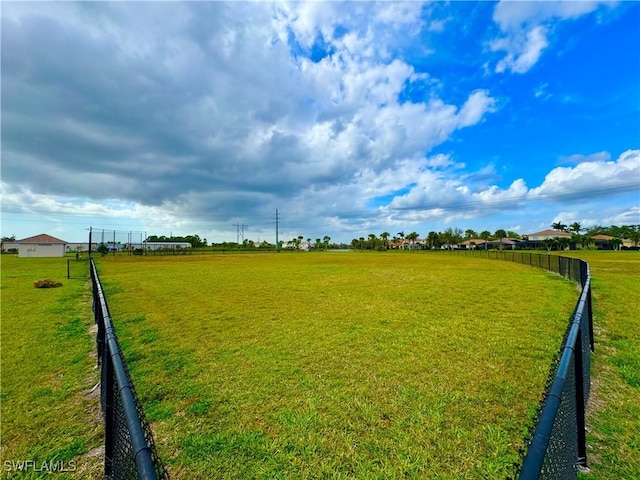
(433, 240)
(453, 236)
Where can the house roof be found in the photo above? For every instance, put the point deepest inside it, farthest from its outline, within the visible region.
(507, 241)
(42, 238)
(550, 233)
(602, 237)
(477, 241)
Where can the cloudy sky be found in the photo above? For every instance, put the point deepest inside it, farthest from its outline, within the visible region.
(349, 118)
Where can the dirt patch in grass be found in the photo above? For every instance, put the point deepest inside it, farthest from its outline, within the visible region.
(46, 283)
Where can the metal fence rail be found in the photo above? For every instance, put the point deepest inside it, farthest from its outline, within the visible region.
(558, 447)
(129, 448)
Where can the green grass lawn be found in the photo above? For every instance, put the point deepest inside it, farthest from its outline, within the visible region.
(613, 414)
(47, 368)
(317, 365)
(337, 365)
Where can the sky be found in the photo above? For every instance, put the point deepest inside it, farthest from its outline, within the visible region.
(348, 118)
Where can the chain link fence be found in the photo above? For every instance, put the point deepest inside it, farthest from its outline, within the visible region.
(557, 448)
(130, 451)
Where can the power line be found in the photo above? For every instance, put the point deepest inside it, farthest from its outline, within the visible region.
(239, 229)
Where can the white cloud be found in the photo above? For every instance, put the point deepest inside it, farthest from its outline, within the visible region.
(630, 216)
(578, 158)
(525, 28)
(476, 106)
(215, 112)
(592, 178)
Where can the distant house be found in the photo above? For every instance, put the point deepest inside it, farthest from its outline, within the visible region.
(546, 234)
(607, 242)
(42, 245)
(473, 244)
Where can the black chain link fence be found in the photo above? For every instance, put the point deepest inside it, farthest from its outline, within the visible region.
(130, 452)
(557, 448)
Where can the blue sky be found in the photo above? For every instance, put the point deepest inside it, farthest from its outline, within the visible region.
(349, 118)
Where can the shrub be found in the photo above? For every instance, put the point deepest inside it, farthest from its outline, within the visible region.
(47, 283)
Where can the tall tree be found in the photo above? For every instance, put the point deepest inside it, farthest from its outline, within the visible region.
(433, 240)
(447, 237)
(401, 235)
(485, 235)
(575, 227)
(559, 226)
(326, 239)
(385, 238)
(469, 234)
(616, 243)
(549, 243)
(412, 237)
(563, 243)
(372, 241)
(634, 234)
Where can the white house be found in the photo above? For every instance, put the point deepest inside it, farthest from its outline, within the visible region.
(42, 245)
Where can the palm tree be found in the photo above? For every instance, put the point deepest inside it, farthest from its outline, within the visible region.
(432, 239)
(401, 235)
(326, 239)
(372, 241)
(412, 237)
(385, 238)
(616, 242)
(561, 227)
(563, 243)
(549, 243)
(317, 243)
(575, 227)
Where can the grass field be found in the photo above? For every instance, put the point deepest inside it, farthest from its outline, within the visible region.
(47, 369)
(337, 365)
(318, 365)
(613, 414)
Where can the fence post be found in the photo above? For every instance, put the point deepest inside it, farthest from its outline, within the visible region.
(590, 319)
(580, 404)
(108, 388)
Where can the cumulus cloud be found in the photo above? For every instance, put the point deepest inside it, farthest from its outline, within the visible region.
(525, 27)
(206, 113)
(220, 110)
(596, 177)
(436, 194)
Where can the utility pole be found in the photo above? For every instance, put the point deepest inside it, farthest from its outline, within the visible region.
(277, 219)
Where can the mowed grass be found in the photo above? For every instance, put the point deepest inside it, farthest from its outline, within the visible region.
(330, 365)
(47, 367)
(613, 414)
